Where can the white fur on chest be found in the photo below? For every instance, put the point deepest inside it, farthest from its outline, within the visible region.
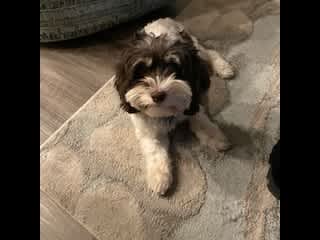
(147, 126)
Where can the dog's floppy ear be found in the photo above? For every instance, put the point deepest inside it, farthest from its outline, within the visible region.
(125, 69)
(200, 83)
(122, 81)
(120, 87)
(198, 73)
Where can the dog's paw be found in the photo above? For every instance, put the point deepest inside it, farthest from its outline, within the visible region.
(220, 144)
(225, 70)
(159, 179)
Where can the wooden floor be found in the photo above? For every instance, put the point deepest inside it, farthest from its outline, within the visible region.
(68, 77)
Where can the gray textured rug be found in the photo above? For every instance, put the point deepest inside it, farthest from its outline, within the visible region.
(92, 167)
(238, 204)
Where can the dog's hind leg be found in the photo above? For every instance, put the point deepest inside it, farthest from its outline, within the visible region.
(220, 65)
(208, 133)
(223, 68)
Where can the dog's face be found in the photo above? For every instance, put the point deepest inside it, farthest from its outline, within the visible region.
(161, 78)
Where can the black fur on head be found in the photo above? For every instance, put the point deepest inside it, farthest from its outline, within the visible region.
(147, 55)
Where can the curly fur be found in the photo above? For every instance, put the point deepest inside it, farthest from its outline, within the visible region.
(161, 78)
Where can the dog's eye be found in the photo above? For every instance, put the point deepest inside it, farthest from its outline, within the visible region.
(174, 65)
(140, 70)
(173, 59)
(174, 68)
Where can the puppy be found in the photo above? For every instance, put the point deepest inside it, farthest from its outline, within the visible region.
(161, 79)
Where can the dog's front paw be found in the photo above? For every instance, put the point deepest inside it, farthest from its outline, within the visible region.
(159, 179)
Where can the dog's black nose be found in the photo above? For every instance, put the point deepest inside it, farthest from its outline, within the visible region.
(158, 97)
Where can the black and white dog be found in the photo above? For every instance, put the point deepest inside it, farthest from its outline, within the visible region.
(162, 79)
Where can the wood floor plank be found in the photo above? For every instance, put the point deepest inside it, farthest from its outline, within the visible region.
(72, 71)
(56, 224)
(67, 81)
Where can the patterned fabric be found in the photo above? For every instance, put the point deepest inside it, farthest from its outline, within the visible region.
(68, 19)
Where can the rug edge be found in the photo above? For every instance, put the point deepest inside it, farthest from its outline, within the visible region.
(52, 136)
